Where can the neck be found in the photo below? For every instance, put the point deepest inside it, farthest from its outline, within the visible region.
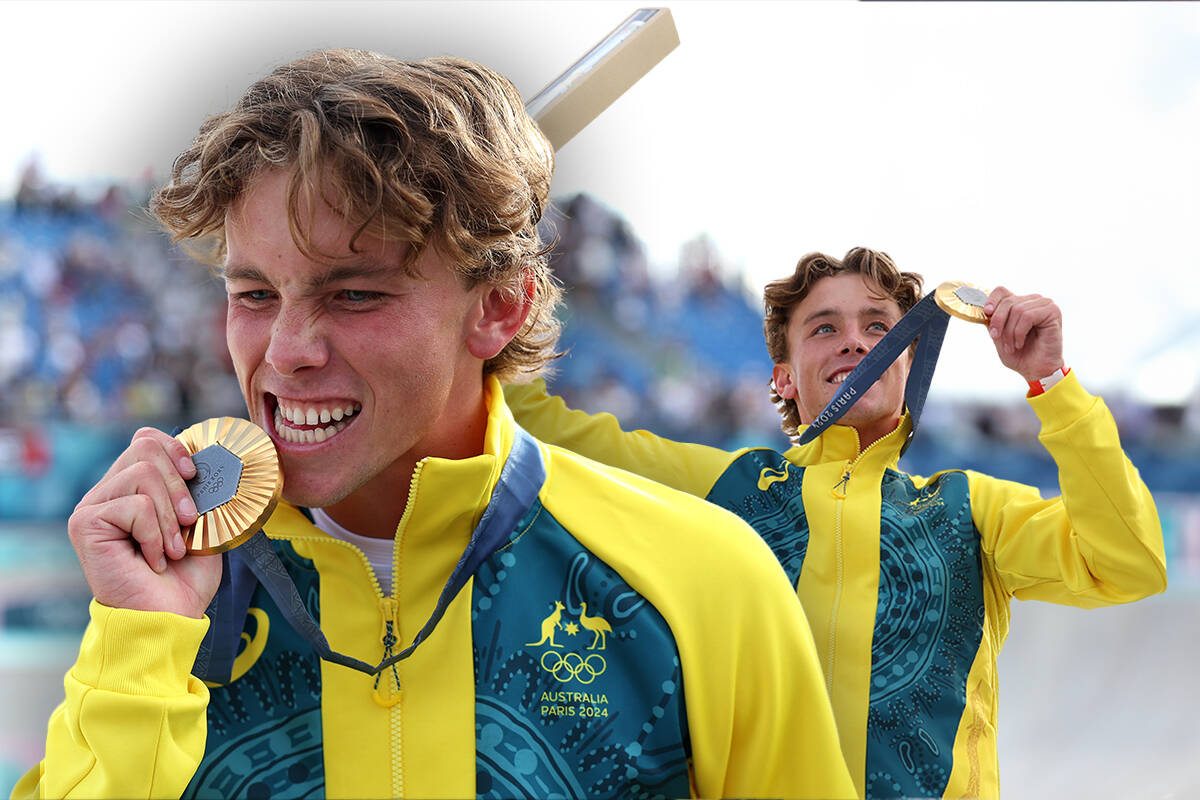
(376, 508)
(870, 433)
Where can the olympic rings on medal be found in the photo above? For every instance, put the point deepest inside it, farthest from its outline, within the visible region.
(573, 665)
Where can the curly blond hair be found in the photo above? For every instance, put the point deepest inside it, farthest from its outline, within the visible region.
(437, 153)
(783, 295)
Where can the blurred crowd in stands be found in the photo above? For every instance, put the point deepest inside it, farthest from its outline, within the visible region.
(103, 320)
(105, 325)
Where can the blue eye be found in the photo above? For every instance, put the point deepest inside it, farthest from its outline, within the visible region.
(356, 296)
(253, 296)
(826, 328)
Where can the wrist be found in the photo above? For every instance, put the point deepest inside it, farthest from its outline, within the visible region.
(1041, 385)
(147, 653)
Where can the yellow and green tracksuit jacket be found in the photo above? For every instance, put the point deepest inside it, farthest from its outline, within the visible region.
(628, 640)
(906, 580)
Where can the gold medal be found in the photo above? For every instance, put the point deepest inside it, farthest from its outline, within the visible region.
(238, 482)
(962, 300)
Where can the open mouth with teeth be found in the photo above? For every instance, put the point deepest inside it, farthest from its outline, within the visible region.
(839, 376)
(311, 422)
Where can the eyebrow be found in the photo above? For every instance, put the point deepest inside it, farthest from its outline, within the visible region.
(334, 274)
(242, 272)
(869, 311)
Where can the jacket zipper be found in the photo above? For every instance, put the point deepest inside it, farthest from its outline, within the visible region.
(390, 629)
(837, 594)
(389, 607)
(839, 493)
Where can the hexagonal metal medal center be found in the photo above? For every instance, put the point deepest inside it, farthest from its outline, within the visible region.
(218, 473)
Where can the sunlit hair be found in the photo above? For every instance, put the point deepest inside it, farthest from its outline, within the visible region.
(781, 296)
(435, 153)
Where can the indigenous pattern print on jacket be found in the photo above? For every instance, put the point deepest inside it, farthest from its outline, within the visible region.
(929, 617)
(556, 714)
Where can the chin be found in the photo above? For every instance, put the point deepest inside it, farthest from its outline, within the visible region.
(309, 499)
(310, 491)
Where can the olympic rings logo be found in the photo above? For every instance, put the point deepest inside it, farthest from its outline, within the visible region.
(573, 665)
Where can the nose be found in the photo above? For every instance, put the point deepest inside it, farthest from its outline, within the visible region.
(853, 343)
(297, 342)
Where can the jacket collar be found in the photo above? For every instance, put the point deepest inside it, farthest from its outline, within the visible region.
(840, 443)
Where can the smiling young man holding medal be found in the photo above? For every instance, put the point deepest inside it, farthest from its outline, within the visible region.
(906, 580)
(541, 625)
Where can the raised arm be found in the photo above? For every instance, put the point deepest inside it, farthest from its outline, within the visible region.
(691, 468)
(1100, 542)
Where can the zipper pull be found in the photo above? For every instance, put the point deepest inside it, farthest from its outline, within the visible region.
(839, 488)
(386, 690)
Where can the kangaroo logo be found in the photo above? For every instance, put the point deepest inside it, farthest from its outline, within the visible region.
(573, 666)
(549, 624)
(769, 476)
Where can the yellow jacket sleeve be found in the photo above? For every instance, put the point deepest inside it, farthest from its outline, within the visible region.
(133, 721)
(1100, 542)
(691, 468)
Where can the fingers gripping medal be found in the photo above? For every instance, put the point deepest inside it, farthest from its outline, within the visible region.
(238, 482)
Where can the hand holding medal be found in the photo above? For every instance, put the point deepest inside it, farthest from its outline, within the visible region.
(128, 531)
(1027, 332)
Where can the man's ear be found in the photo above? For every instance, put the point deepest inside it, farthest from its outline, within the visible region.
(785, 386)
(497, 317)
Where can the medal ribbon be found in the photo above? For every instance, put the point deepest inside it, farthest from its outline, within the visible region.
(255, 561)
(925, 320)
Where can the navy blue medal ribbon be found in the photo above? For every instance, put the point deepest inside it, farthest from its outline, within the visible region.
(926, 322)
(255, 561)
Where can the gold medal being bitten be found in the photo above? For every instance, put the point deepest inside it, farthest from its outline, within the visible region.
(238, 482)
(962, 300)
